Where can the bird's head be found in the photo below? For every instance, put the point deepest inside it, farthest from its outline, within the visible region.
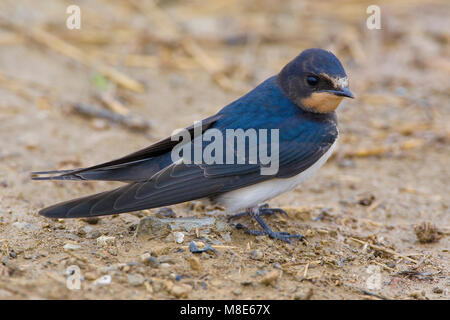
(315, 81)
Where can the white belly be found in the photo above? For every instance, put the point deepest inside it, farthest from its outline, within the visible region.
(256, 194)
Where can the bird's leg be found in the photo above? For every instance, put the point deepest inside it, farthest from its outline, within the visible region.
(263, 210)
(256, 213)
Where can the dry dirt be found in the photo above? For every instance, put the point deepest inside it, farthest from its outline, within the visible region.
(387, 184)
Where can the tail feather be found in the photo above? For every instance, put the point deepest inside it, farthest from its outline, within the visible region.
(53, 171)
(81, 207)
(129, 172)
(56, 175)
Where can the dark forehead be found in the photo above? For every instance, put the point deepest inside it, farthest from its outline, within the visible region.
(319, 61)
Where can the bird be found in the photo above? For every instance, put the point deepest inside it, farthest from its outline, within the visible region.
(299, 102)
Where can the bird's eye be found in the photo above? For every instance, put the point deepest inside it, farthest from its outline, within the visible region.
(312, 80)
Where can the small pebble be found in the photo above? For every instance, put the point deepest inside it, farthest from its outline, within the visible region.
(148, 260)
(133, 263)
(426, 232)
(437, 290)
(135, 279)
(226, 236)
(346, 163)
(158, 284)
(99, 124)
(71, 246)
(271, 277)
(237, 291)
(179, 237)
(103, 281)
(390, 264)
(401, 91)
(366, 198)
(109, 268)
(246, 283)
(305, 294)
(90, 276)
(165, 212)
(180, 290)
(216, 283)
(92, 220)
(194, 248)
(105, 241)
(257, 255)
(419, 295)
(222, 226)
(167, 259)
(93, 235)
(23, 225)
(81, 233)
(195, 263)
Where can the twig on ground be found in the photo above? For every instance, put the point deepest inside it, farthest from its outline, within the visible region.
(113, 104)
(15, 87)
(131, 122)
(389, 251)
(47, 39)
(213, 66)
(381, 150)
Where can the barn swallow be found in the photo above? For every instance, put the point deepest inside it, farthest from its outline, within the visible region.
(300, 101)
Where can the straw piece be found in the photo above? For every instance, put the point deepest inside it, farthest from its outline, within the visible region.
(128, 121)
(113, 104)
(213, 66)
(383, 250)
(44, 38)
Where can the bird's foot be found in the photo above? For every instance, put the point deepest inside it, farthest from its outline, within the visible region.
(263, 210)
(283, 236)
(256, 213)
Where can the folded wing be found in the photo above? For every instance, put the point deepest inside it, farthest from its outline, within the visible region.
(137, 166)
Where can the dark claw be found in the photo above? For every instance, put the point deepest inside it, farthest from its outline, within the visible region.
(263, 210)
(255, 232)
(237, 215)
(283, 236)
(194, 249)
(256, 214)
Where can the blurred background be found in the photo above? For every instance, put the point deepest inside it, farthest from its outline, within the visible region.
(136, 70)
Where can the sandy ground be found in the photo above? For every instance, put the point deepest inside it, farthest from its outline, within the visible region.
(387, 183)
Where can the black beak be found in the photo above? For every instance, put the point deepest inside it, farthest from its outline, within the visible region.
(344, 92)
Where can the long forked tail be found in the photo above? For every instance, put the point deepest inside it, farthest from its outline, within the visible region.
(137, 166)
(57, 175)
(125, 172)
